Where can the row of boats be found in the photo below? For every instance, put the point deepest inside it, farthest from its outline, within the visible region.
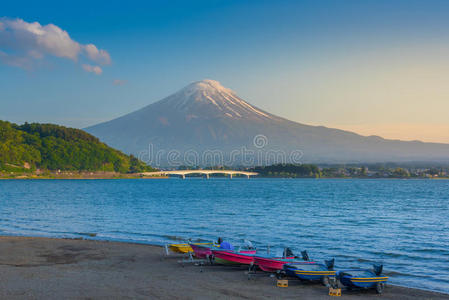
(286, 265)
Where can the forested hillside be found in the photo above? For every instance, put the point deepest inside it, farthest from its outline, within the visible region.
(53, 147)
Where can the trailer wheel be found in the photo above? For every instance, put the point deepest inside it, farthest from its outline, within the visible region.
(280, 275)
(333, 282)
(380, 287)
(325, 281)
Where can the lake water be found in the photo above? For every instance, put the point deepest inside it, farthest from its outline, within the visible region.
(403, 224)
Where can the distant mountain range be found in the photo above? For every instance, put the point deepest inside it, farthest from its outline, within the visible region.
(208, 124)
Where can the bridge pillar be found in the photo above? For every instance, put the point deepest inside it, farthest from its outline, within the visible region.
(207, 176)
(230, 176)
(183, 176)
(247, 176)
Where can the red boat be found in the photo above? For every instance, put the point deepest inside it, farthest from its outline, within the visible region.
(207, 250)
(269, 263)
(274, 264)
(243, 257)
(202, 251)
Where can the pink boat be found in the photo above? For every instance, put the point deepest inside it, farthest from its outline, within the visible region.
(201, 251)
(274, 264)
(243, 257)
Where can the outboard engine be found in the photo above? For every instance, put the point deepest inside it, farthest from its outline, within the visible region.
(378, 269)
(305, 255)
(330, 264)
(249, 245)
(287, 253)
(220, 240)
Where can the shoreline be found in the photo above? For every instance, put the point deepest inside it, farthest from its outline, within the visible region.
(41, 267)
(124, 176)
(167, 177)
(46, 174)
(81, 178)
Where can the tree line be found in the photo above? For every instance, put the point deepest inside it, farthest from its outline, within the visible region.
(289, 170)
(54, 147)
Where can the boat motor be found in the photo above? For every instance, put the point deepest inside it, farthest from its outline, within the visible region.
(330, 264)
(378, 269)
(305, 255)
(287, 253)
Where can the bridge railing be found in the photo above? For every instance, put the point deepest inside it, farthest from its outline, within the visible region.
(183, 173)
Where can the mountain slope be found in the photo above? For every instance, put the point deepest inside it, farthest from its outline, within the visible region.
(206, 116)
(53, 147)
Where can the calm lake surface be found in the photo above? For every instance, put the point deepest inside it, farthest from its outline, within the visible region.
(403, 224)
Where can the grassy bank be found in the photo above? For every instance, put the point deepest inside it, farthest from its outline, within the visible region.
(74, 175)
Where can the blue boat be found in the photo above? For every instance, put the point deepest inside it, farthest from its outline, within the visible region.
(363, 278)
(308, 271)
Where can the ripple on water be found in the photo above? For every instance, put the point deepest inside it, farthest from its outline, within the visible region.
(402, 224)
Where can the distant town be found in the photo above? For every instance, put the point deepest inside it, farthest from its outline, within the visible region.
(345, 171)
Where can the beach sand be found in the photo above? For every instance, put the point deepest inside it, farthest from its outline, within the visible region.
(43, 268)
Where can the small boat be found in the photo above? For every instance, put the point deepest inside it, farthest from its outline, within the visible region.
(226, 255)
(231, 257)
(184, 248)
(311, 271)
(363, 278)
(203, 250)
(180, 248)
(273, 264)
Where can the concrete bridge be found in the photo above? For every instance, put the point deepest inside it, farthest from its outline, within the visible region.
(183, 173)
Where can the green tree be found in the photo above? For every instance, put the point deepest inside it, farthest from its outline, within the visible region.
(54, 147)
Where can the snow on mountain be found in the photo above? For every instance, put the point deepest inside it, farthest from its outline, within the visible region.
(212, 96)
(204, 117)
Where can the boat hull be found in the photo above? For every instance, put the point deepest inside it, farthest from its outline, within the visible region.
(186, 248)
(201, 251)
(319, 273)
(245, 257)
(364, 282)
(225, 262)
(272, 264)
(180, 248)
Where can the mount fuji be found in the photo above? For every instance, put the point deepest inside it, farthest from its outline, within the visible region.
(207, 124)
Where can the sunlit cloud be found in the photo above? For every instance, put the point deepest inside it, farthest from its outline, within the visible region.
(99, 56)
(22, 44)
(93, 69)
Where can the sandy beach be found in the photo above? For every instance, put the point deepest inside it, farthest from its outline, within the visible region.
(43, 268)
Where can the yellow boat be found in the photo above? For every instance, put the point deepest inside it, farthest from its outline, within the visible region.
(184, 248)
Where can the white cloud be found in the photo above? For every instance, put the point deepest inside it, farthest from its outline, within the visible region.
(94, 69)
(22, 43)
(100, 56)
(119, 82)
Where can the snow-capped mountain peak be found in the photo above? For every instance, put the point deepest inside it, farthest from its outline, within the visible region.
(209, 96)
(207, 85)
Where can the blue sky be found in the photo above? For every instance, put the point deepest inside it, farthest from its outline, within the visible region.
(374, 67)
